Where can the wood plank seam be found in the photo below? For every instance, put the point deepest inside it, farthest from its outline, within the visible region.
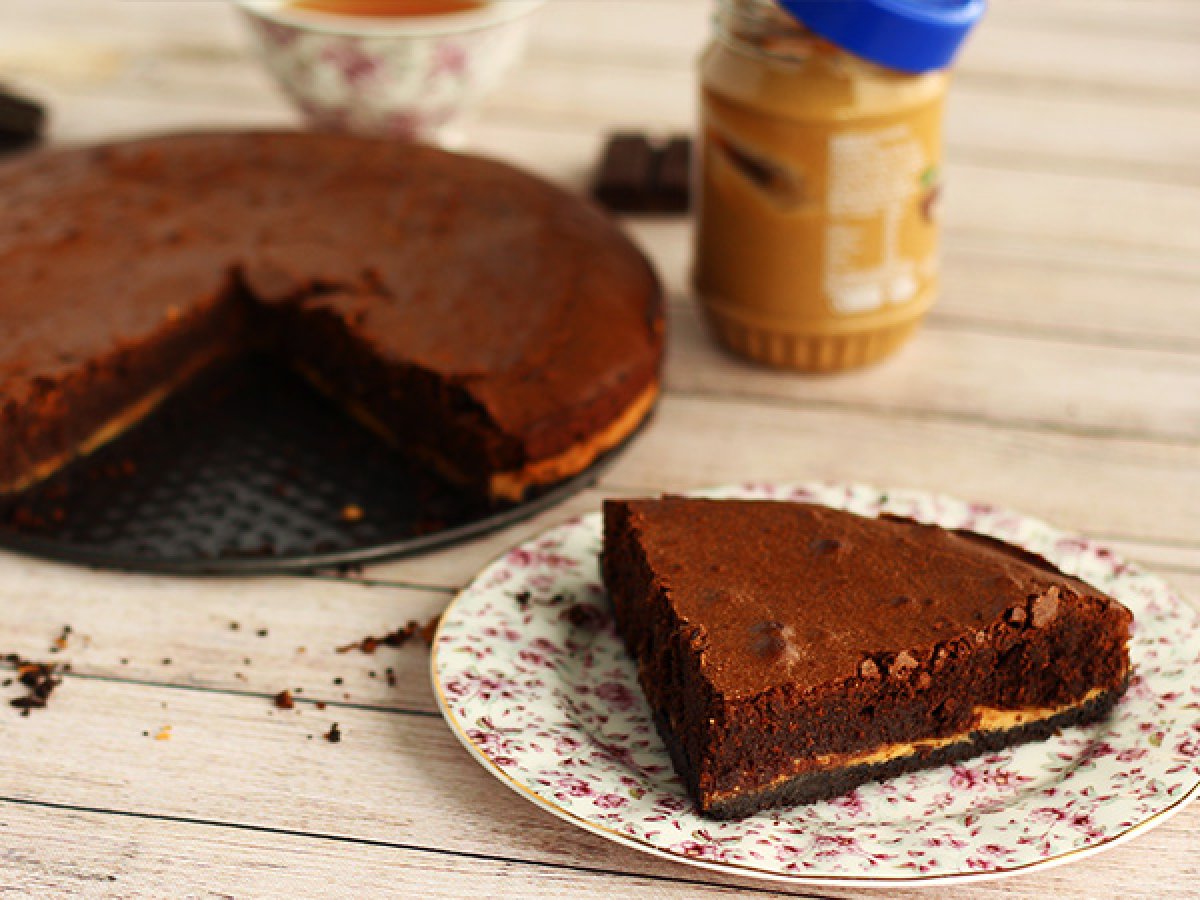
(397, 845)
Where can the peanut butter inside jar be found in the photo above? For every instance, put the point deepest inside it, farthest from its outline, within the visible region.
(819, 174)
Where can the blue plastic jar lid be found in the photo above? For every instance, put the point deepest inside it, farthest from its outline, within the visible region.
(909, 35)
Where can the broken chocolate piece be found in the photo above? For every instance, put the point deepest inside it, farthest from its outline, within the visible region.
(623, 182)
(40, 679)
(21, 122)
(672, 187)
(637, 176)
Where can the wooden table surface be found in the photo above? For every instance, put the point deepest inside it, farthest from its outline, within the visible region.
(1059, 375)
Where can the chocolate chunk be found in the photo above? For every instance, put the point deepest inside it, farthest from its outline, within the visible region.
(637, 176)
(1045, 608)
(673, 177)
(625, 177)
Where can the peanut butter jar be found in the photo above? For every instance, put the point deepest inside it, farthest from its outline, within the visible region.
(819, 171)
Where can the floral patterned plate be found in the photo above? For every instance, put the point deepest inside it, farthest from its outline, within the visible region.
(533, 679)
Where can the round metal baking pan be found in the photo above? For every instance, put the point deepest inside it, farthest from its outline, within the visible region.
(251, 471)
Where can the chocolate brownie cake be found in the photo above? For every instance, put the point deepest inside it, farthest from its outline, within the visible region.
(473, 313)
(791, 652)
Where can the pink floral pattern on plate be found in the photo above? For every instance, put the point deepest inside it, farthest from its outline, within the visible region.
(533, 678)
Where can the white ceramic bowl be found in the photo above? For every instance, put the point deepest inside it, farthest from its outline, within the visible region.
(414, 78)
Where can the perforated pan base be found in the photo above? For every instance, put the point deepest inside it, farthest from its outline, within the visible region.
(249, 470)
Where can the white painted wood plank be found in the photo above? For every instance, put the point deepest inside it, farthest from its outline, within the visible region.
(1177, 19)
(1104, 299)
(177, 631)
(394, 779)
(1099, 485)
(132, 858)
(999, 379)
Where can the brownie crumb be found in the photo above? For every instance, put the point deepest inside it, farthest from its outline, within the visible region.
(235, 626)
(370, 644)
(584, 615)
(60, 642)
(40, 680)
(334, 734)
(428, 631)
(338, 680)
(262, 632)
(284, 700)
(522, 598)
(320, 704)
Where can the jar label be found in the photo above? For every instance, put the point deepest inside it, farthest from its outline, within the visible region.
(875, 177)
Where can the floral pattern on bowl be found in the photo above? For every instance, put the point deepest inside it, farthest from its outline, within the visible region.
(535, 682)
(421, 85)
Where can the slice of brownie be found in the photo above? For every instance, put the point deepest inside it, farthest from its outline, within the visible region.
(791, 652)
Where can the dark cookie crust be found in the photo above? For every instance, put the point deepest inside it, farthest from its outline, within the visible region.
(824, 785)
